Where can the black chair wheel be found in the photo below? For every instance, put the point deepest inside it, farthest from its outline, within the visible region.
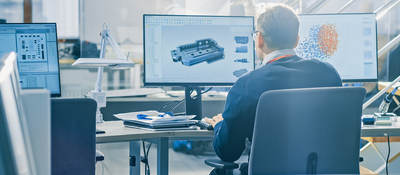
(216, 171)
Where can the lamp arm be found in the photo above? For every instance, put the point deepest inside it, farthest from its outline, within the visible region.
(97, 86)
(380, 93)
(115, 46)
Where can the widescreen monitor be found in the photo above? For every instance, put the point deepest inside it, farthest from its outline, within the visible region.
(347, 41)
(197, 50)
(37, 54)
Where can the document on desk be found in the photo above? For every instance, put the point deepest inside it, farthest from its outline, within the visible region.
(155, 119)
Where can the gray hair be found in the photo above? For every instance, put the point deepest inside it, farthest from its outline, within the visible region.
(279, 26)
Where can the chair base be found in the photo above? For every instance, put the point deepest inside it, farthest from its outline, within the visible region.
(217, 171)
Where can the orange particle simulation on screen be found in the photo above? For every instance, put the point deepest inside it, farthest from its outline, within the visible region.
(328, 39)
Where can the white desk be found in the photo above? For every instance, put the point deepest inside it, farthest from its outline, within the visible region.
(116, 132)
(379, 131)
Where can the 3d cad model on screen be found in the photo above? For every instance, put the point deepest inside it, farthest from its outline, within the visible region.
(201, 50)
(241, 39)
(241, 60)
(240, 72)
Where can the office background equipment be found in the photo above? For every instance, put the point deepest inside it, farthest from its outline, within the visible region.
(368, 120)
(306, 123)
(347, 41)
(37, 54)
(16, 148)
(386, 86)
(205, 46)
(384, 106)
(122, 61)
(394, 63)
(73, 139)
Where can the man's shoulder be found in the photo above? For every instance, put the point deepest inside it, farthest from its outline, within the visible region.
(290, 66)
(312, 63)
(292, 63)
(321, 64)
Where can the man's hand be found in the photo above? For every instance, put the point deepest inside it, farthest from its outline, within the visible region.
(213, 121)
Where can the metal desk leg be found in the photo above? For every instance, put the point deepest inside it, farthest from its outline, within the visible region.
(134, 158)
(162, 156)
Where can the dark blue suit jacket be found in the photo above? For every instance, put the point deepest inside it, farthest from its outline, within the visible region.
(241, 103)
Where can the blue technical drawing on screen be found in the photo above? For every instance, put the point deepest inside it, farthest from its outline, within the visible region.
(197, 49)
(37, 55)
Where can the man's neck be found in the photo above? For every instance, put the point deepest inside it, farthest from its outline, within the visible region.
(277, 53)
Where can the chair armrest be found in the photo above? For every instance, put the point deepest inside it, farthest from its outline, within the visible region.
(219, 164)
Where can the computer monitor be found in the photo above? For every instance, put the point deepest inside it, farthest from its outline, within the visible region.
(37, 54)
(347, 41)
(187, 50)
(15, 148)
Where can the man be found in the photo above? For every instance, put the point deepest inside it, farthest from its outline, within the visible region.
(276, 37)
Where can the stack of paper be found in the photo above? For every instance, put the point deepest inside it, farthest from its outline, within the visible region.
(155, 119)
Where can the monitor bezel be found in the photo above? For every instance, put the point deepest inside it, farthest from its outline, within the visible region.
(376, 43)
(58, 58)
(190, 84)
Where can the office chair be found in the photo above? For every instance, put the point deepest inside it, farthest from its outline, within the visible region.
(304, 131)
(73, 136)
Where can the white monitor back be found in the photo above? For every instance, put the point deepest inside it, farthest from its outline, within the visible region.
(36, 103)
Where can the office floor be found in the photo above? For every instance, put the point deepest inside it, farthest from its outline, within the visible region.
(116, 161)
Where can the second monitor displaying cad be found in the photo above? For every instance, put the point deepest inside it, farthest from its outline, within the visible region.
(197, 49)
(37, 55)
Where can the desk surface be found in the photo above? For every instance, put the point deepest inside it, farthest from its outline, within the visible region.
(117, 132)
(378, 131)
(164, 98)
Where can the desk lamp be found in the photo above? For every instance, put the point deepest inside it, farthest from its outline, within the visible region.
(380, 93)
(121, 62)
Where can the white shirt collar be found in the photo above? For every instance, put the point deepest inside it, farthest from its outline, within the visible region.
(277, 53)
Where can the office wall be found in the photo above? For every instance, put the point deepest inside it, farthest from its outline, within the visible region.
(12, 10)
(64, 13)
(125, 16)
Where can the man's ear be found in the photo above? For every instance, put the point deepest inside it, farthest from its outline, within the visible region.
(260, 42)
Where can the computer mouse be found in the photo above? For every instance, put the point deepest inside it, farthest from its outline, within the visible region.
(204, 125)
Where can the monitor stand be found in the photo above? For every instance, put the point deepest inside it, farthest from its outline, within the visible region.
(193, 104)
